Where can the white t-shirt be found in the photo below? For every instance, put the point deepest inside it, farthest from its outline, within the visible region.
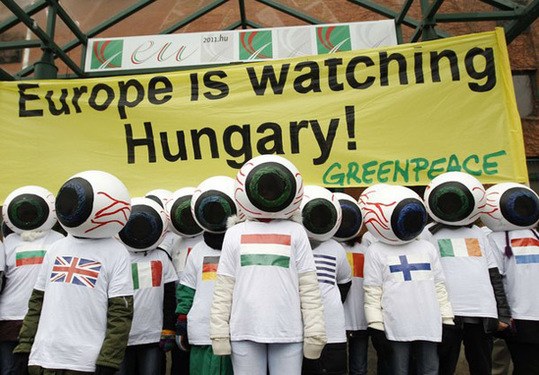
(180, 250)
(200, 274)
(78, 277)
(23, 262)
(354, 313)
(2, 257)
(265, 259)
(150, 271)
(520, 272)
(407, 274)
(367, 239)
(332, 268)
(466, 258)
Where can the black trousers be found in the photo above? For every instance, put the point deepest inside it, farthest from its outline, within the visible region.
(477, 348)
(333, 361)
(523, 343)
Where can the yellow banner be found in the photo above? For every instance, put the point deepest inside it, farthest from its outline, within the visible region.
(400, 115)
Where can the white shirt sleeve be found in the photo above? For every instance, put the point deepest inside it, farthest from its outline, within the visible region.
(190, 276)
(497, 253)
(437, 270)
(169, 272)
(344, 272)
(372, 271)
(303, 252)
(228, 260)
(489, 252)
(2, 257)
(44, 271)
(121, 281)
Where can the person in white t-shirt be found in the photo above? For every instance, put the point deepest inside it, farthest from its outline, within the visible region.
(212, 206)
(267, 309)
(80, 311)
(512, 214)
(321, 215)
(405, 296)
(455, 200)
(154, 283)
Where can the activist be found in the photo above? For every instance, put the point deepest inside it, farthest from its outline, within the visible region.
(354, 312)
(212, 205)
(267, 309)
(154, 283)
(80, 311)
(512, 213)
(321, 216)
(188, 234)
(29, 212)
(405, 296)
(454, 201)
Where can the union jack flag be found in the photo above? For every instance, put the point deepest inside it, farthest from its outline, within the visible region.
(75, 270)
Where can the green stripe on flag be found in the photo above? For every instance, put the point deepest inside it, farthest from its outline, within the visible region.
(446, 248)
(134, 272)
(30, 254)
(265, 260)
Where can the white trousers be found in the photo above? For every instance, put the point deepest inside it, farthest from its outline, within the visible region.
(253, 358)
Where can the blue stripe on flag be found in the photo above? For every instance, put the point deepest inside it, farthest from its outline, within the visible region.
(526, 259)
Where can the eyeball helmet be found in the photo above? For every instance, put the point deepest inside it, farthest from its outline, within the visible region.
(455, 198)
(146, 226)
(93, 204)
(268, 187)
(368, 192)
(320, 213)
(181, 220)
(394, 215)
(29, 208)
(213, 203)
(510, 206)
(161, 196)
(351, 218)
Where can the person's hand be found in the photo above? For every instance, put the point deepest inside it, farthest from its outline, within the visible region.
(181, 333)
(502, 326)
(168, 337)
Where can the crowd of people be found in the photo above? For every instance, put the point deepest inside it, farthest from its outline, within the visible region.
(262, 275)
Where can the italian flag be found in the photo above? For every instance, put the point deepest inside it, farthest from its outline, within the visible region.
(25, 258)
(265, 250)
(356, 261)
(459, 247)
(147, 274)
(526, 250)
(209, 268)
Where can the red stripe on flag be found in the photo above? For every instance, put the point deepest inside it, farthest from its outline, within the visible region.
(157, 272)
(209, 267)
(29, 261)
(275, 239)
(359, 261)
(523, 242)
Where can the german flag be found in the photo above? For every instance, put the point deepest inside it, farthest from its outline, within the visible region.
(209, 268)
(356, 261)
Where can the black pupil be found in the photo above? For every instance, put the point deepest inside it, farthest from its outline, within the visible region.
(187, 218)
(321, 216)
(271, 186)
(140, 228)
(449, 203)
(413, 222)
(67, 202)
(214, 212)
(525, 206)
(27, 212)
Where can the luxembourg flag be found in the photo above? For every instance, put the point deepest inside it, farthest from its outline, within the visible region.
(526, 250)
(459, 247)
(357, 261)
(265, 250)
(147, 274)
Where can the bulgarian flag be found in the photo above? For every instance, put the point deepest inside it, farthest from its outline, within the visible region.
(25, 258)
(459, 247)
(147, 274)
(526, 250)
(209, 268)
(356, 261)
(265, 250)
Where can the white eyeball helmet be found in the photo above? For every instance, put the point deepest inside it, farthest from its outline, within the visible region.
(29, 208)
(320, 213)
(161, 196)
(510, 206)
(368, 192)
(394, 214)
(455, 198)
(181, 220)
(213, 203)
(93, 204)
(352, 221)
(268, 187)
(146, 227)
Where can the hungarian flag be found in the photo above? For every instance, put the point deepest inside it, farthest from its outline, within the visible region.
(526, 250)
(265, 250)
(356, 261)
(209, 268)
(459, 247)
(147, 274)
(25, 258)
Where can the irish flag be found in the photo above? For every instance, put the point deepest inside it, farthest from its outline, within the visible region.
(265, 250)
(25, 258)
(356, 261)
(459, 247)
(209, 268)
(147, 274)
(526, 250)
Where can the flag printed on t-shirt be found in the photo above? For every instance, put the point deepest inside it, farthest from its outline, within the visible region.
(459, 247)
(357, 261)
(526, 250)
(147, 274)
(265, 250)
(25, 258)
(326, 268)
(75, 270)
(209, 268)
(409, 267)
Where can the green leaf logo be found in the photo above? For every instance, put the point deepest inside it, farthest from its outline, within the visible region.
(331, 39)
(256, 45)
